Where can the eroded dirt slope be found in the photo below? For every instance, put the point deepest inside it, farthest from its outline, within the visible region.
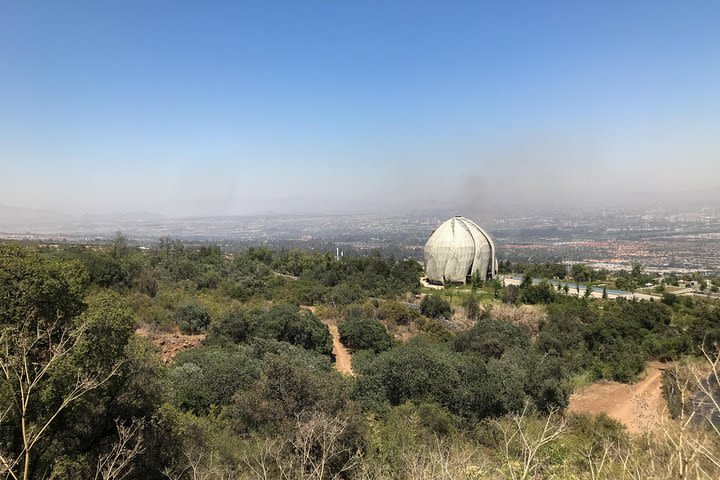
(638, 406)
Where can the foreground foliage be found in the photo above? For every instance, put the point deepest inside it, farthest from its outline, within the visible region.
(84, 397)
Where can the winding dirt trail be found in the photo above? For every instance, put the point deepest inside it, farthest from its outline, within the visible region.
(342, 355)
(637, 406)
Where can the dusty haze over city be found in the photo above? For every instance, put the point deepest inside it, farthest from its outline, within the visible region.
(527, 177)
(365, 126)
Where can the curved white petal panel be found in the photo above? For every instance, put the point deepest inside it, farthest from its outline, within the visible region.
(457, 249)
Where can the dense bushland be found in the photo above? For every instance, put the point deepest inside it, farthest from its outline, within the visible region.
(471, 388)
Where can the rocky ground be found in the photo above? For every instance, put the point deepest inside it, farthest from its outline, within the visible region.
(171, 343)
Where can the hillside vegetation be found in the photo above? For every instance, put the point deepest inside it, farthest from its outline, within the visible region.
(459, 383)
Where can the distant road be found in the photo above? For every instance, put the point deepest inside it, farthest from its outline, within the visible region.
(595, 292)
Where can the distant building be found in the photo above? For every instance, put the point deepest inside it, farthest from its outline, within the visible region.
(456, 250)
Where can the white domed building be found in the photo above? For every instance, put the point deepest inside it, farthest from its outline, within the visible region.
(456, 250)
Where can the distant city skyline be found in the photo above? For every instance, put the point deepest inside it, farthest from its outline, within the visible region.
(680, 241)
(238, 108)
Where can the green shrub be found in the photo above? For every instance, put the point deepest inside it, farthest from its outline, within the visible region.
(235, 324)
(345, 293)
(365, 333)
(192, 318)
(491, 338)
(105, 271)
(547, 381)
(207, 376)
(282, 322)
(265, 348)
(417, 371)
(537, 294)
(286, 391)
(308, 292)
(360, 310)
(652, 316)
(472, 307)
(434, 330)
(397, 313)
(619, 360)
(435, 306)
(361, 360)
(290, 324)
(487, 389)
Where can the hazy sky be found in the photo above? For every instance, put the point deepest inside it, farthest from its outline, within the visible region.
(356, 106)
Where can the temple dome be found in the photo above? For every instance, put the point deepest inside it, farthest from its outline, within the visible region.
(457, 249)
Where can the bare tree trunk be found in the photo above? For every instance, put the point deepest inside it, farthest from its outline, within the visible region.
(26, 361)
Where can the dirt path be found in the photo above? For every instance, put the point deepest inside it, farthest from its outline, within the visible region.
(342, 355)
(637, 406)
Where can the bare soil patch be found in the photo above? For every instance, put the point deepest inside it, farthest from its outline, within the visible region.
(171, 343)
(342, 356)
(638, 406)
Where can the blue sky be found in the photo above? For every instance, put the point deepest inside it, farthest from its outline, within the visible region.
(194, 108)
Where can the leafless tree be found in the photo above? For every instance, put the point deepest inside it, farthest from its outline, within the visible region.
(693, 440)
(597, 458)
(201, 464)
(523, 439)
(117, 463)
(262, 460)
(27, 358)
(317, 445)
(443, 460)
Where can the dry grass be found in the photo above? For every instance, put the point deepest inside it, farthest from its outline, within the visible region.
(529, 317)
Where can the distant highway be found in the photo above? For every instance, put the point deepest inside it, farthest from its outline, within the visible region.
(573, 286)
(595, 292)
